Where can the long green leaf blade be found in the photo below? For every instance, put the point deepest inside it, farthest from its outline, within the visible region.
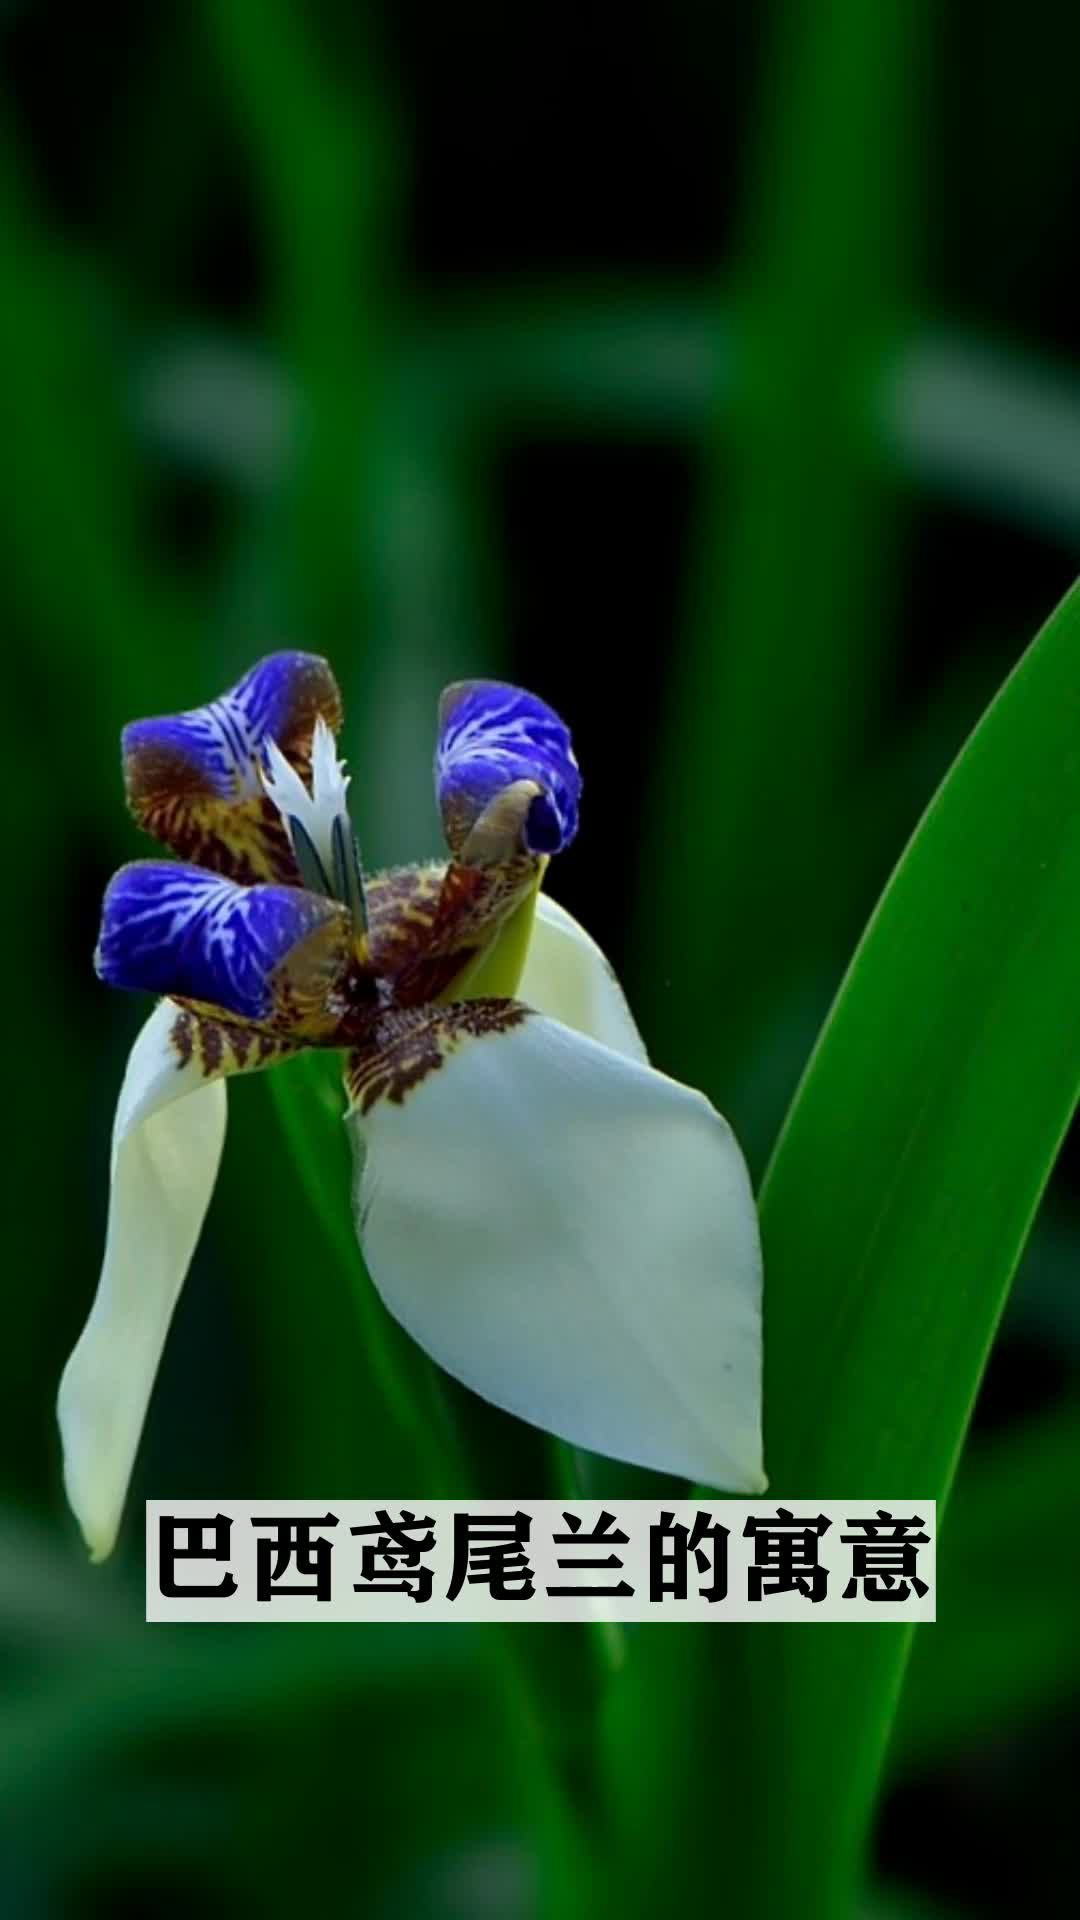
(915, 1155)
(894, 1213)
(904, 1186)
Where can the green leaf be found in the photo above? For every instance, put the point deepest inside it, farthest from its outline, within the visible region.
(907, 1177)
(894, 1214)
(310, 1104)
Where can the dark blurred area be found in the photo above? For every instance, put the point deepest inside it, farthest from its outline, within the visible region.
(711, 370)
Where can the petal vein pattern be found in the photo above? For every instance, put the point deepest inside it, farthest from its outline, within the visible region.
(175, 929)
(497, 741)
(193, 779)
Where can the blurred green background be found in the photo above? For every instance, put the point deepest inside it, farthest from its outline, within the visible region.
(712, 370)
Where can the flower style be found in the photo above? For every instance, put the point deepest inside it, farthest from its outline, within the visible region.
(566, 1230)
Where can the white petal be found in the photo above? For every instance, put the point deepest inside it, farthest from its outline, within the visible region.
(165, 1158)
(572, 1235)
(567, 976)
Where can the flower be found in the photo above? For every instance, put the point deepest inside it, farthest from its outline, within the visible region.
(566, 1230)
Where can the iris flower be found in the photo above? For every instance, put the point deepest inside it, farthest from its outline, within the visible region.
(566, 1230)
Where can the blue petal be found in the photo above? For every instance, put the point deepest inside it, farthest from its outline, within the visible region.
(221, 745)
(177, 930)
(193, 778)
(492, 735)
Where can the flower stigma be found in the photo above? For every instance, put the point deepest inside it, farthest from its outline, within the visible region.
(318, 824)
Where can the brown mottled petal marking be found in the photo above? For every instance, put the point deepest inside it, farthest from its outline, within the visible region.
(317, 985)
(474, 902)
(244, 838)
(402, 903)
(219, 1047)
(409, 1043)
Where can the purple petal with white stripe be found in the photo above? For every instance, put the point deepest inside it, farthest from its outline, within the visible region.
(173, 929)
(222, 743)
(492, 736)
(193, 779)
